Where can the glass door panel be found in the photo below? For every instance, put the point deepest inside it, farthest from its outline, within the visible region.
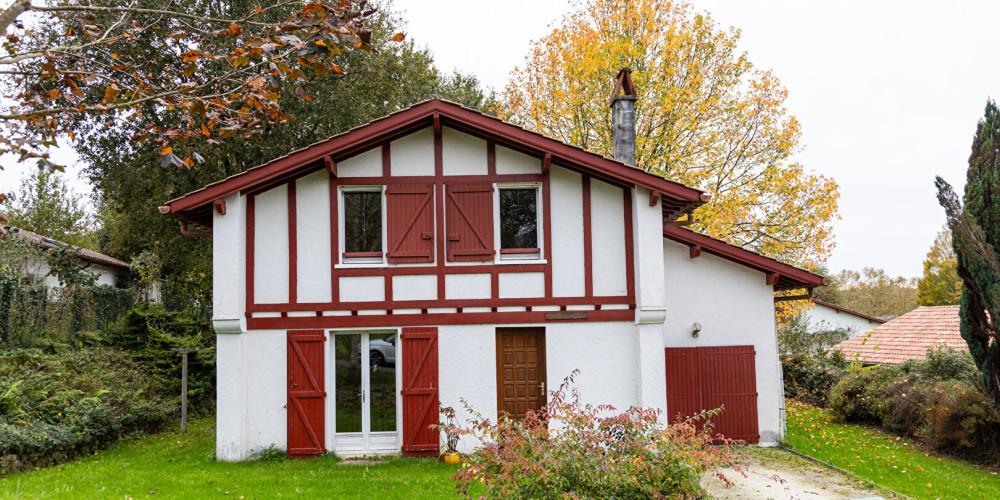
(382, 380)
(366, 393)
(348, 382)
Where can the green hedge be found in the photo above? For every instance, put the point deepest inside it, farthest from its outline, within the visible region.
(34, 315)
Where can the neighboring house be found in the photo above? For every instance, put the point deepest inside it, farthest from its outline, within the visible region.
(908, 336)
(502, 261)
(108, 270)
(825, 316)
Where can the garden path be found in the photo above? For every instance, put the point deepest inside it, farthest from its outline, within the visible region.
(773, 473)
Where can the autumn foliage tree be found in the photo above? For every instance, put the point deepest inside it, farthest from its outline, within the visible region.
(704, 116)
(62, 61)
(976, 237)
(940, 285)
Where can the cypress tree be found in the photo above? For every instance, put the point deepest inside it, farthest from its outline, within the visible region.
(976, 238)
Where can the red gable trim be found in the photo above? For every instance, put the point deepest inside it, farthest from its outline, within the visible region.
(848, 311)
(789, 277)
(681, 198)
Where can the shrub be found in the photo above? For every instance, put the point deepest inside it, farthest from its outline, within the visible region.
(572, 450)
(944, 363)
(809, 379)
(861, 395)
(54, 407)
(962, 421)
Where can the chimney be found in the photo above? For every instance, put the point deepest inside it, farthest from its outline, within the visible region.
(623, 99)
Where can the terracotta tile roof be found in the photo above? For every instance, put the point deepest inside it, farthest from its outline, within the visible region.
(906, 337)
(46, 242)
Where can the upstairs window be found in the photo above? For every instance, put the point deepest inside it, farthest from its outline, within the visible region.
(363, 225)
(519, 223)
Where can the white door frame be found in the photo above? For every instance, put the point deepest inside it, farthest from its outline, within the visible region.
(364, 442)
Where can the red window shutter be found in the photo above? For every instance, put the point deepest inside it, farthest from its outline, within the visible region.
(306, 394)
(411, 223)
(420, 391)
(469, 215)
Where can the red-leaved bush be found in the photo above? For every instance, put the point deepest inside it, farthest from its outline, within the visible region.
(575, 450)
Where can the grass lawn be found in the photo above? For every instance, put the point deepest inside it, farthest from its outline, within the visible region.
(175, 465)
(885, 459)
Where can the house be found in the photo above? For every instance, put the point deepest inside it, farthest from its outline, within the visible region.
(825, 316)
(106, 269)
(438, 255)
(908, 336)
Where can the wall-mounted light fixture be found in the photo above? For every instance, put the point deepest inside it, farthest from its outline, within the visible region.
(695, 330)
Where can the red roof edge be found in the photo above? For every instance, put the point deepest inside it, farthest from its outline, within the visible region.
(789, 276)
(848, 311)
(682, 198)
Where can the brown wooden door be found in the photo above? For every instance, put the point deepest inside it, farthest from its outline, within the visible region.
(306, 393)
(520, 370)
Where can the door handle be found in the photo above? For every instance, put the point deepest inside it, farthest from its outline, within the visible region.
(542, 387)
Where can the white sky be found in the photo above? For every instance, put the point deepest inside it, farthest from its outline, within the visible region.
(888, 94)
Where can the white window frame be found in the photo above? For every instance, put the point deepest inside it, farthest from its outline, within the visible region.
(359, 261)
(533, 258)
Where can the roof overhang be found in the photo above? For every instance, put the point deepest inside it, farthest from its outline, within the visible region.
(845, 310)
(195, 208)
(783, 276)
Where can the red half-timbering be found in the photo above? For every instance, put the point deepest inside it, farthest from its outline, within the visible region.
(420, 391)
(422, 212)
(306, 394)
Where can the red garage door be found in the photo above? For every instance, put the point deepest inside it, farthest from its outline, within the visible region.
(705, 378)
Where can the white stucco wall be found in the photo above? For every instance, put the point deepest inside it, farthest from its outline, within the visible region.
(735, 307)
(105, 275)
(312, 220)
(271, 246)
(823, 318)
(607, 217)
(567, 232)
(462, 154)
(252, 415)
(413, 154)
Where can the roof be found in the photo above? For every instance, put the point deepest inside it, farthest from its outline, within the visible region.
(848, 311)
(906, 337)
(196, 206)
(46, 242)
(788, 276)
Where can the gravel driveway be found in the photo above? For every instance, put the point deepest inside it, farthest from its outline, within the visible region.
(773, 473)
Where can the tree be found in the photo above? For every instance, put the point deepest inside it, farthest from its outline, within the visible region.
(796, 337)
(704, 117)
(130, 184)
(47, 206)
(221, 67)
(976, 238)
(875, 293)
(940, 285)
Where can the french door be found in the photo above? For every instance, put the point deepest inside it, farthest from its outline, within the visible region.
(366, 384)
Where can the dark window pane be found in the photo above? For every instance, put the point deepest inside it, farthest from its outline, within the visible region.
(518, 218)
(362, 222)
